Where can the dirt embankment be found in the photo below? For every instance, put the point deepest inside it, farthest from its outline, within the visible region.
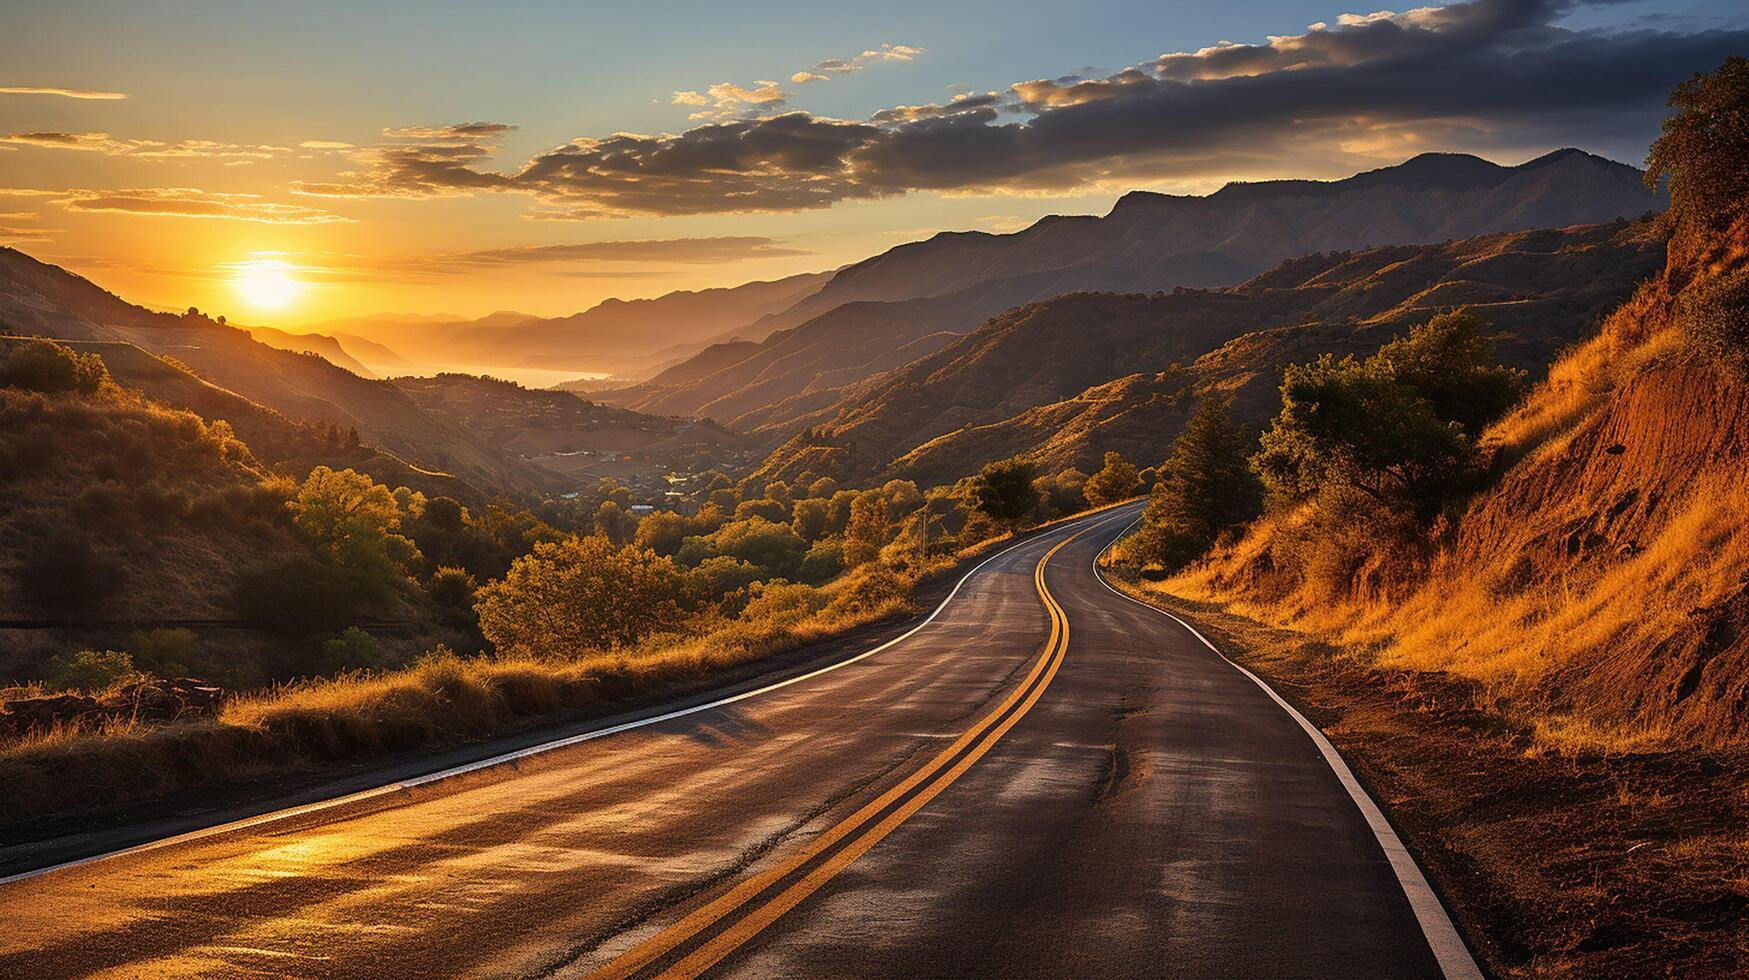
(1554, 864)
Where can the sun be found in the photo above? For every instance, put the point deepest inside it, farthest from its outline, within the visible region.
(267, 284)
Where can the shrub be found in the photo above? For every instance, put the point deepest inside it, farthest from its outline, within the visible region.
(452, 589)
(717, 577)
(822, 562)
(1397, 426)
(867, 528)
(166, 652)
(1714, 317)
(1116, 481)
(66, 574)
(581, 594)
(42, 365)
(811, 518)
(780, 604)
(90, 670)
(299, 594)
(353, 649)
(1004, 489)
(775, 548)
(662, 532)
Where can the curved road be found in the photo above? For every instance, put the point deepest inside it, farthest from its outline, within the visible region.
(1048, 779)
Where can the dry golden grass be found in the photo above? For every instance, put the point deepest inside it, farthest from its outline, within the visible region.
(1591, 593)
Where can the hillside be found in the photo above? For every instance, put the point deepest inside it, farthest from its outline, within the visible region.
(1067, 378)
(916, 296)
(43, 300)
(576, 439)
(613, 336)
(797, 371)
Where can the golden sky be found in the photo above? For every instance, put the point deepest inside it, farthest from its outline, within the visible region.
(287, 164)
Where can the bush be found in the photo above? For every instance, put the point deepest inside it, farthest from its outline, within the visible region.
(1004, 489)
(1714, 317)
(353, 649)
(42, 365)
(822, 562)
(867, 528)
(167, 652)
(90, 671)
(1398, 426)
(716, 578)
(581, 594)
(1117, 481)
(300, 594)
(66, 574)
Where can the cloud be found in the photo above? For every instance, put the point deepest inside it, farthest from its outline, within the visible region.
(454, 131)
(684, 251)
(145, 149)
(1484, 73)
(325, 145)
(424, 161)
(187, 202)
(66, 93)
(824, 70)
(727, 99)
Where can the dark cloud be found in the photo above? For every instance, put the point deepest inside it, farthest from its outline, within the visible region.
(456, 131)
(684, 251)
(1500, 72)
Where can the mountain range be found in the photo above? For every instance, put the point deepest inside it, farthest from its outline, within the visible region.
(914, 298)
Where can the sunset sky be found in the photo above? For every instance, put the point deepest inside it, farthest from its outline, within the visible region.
(289, 163)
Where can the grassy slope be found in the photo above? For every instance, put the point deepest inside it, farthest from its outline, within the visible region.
(1040, 379)
(1553, 703)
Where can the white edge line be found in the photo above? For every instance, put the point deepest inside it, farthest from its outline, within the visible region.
(509, 757)
(1454, 957)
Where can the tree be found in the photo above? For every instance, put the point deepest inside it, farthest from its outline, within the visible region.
(579, 594)
(812, 518)
(45, 366)
(353, 519)
(615, 522)
(1116, 481)
(662, 532)
(1397, 427)
(773, 547)
(867, 528)
(1204, 488)
(1704, 151)
(1004, 489)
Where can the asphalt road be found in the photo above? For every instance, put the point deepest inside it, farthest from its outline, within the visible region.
(1048, 780)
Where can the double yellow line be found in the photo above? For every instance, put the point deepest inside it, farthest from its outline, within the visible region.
(781, 888)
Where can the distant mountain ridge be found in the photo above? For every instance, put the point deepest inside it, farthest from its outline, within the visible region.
(917, 297)
(1069, 377)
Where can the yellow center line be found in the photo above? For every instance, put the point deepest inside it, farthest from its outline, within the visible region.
(726, 942)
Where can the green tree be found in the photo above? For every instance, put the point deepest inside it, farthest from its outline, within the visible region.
(1004, 489)
(615, 523)
(353, 519)
(1115, 481)
(662, 532)
(773, 547)
(43, 365)
(579, 594)
(1204, 488)
(867, 528)
(775, 511)
(1704, 151)
(1398, 427)
(812, 518)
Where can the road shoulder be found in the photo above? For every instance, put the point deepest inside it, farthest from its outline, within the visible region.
(1581, 865)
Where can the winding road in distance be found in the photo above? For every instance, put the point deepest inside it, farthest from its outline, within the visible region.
(1047, 779)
